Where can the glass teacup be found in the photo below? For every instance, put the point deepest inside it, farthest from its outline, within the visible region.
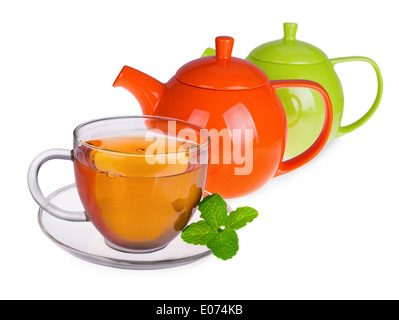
(139, 178)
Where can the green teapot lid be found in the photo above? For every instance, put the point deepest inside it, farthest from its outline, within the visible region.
(289, 50)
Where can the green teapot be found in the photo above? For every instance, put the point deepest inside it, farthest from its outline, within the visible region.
(290, 58)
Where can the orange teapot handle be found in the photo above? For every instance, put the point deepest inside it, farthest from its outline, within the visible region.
(317, 146)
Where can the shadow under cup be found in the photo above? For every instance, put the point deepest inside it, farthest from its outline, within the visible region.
(140, 178)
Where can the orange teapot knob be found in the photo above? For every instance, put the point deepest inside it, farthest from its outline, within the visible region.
(224, 47)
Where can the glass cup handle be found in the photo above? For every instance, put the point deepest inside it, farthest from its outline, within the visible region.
(38, 195)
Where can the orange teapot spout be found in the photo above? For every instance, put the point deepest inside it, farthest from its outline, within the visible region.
(147, 90)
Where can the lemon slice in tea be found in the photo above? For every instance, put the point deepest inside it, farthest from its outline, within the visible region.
(136, 157)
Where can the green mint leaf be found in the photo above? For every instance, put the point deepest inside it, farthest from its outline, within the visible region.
(223, 243)
(196, 233)
(240, 217)
(214, 211)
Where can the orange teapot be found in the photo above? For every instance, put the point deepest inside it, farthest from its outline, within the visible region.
(235, 101)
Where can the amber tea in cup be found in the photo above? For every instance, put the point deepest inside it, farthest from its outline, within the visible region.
(140, 179)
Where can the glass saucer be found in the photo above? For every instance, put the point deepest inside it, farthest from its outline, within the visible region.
(82, 240)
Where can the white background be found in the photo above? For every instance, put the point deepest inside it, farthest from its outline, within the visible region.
(326, 231)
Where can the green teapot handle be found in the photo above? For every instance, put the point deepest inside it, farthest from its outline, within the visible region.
(346, 129)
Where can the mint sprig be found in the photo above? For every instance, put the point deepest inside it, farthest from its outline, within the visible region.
(217, 230)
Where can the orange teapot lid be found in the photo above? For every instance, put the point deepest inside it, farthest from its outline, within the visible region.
(222, 71)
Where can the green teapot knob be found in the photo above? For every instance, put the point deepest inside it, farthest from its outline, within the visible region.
(290, 31)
